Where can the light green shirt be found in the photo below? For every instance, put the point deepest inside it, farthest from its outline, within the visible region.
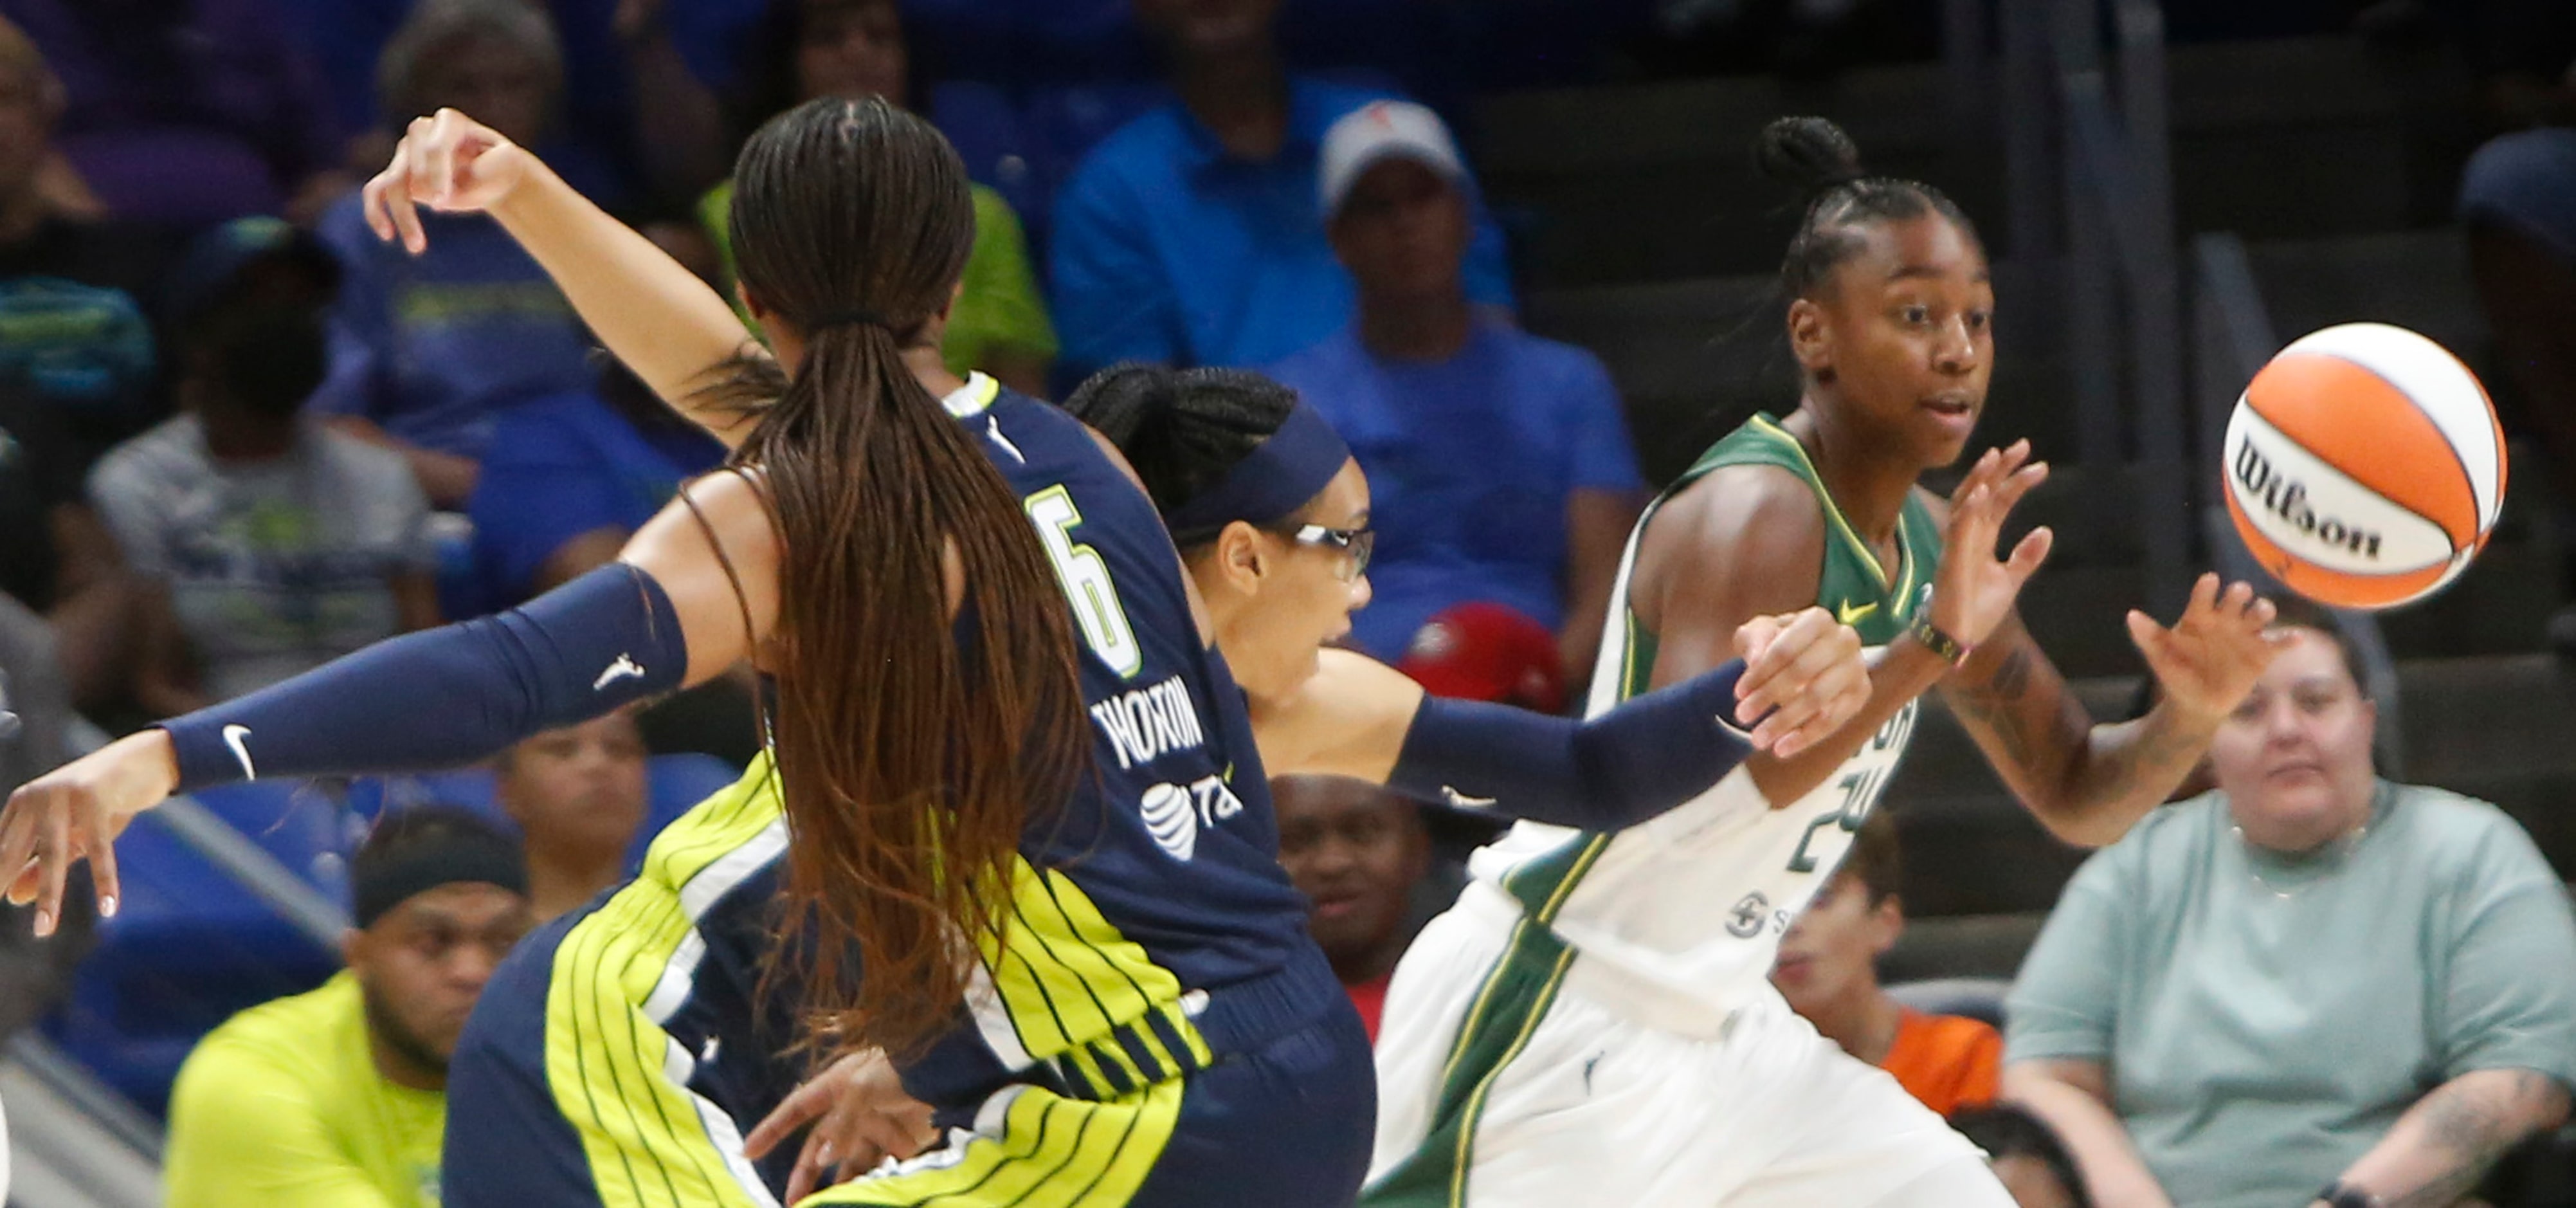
(282, 1107)
(2265, 1021)
(997, 311)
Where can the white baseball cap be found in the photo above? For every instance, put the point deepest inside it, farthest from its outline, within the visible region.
(1383, 130)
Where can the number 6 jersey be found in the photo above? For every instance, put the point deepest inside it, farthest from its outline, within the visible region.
(1682, 915)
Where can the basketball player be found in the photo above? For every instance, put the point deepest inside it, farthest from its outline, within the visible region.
(1592, 1023)
(1125, 1026)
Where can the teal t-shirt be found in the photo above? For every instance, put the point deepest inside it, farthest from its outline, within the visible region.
(2265, 1021)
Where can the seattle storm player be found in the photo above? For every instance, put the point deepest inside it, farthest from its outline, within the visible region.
(1592, 1024)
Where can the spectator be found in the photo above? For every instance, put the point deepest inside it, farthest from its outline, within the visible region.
(2307, 977)
(2518, 198)
(641, 81)
(268, 544)
(185, 112)
(427, 350)
(2029, 1160)
(578, 796)
(1828, 971)
(1356, 851)
(1191, 236)
(1499, 462)
(338, 1096)
(569, 478)
(856, 48)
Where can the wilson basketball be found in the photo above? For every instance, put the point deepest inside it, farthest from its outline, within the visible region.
(2364, 466)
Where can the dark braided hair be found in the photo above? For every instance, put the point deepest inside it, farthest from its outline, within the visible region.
(1181, 428)
(1815, 157)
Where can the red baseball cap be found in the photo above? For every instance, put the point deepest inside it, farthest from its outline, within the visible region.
(1488, 652)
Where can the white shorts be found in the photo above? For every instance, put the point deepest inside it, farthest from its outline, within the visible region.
(1548, 1097)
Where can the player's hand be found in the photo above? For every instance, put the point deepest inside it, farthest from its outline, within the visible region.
(1805, 670)
(1974, 590)
(450, 163)
(76, 811)
(2210, 659)
(860, 1115)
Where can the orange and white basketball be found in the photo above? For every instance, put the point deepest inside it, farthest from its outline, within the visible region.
(2365, 467)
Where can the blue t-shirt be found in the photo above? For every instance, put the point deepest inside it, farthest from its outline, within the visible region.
(1470, 461)
(567, 465)
(432, 348)
(1166, 249)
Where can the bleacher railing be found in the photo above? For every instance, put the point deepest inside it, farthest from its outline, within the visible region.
(2088, 161)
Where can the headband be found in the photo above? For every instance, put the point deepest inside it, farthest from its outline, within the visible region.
(1271, 482)
(426, 864)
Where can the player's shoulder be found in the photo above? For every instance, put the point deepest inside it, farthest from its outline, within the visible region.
(1744, 506)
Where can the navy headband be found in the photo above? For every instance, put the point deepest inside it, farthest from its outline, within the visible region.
(479, 857)
(1271, 482)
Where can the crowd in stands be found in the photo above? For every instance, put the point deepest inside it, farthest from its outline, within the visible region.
(240, 436)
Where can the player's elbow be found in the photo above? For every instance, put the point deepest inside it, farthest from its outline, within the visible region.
(2079, 823)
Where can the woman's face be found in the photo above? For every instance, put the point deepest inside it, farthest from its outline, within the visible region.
(1904, 331)
(852, 50)
(2294, 758)
(1279, 601)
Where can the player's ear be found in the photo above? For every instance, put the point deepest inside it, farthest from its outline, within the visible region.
(1811, 337)
(1240, 557)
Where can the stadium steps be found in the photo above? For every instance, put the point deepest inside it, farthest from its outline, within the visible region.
(2298, 137)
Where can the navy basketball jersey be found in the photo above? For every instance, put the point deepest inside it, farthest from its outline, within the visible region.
(1151, 926)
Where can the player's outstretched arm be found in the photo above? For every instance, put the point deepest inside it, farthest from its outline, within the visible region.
(1800, 679)
(654, 314)
(2088, 783)
(1764, 528)
(666, 616)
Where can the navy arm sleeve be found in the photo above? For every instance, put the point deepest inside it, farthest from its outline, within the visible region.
(446, 697)
(1630, 764)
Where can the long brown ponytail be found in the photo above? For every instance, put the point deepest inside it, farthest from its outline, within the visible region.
(910, 752)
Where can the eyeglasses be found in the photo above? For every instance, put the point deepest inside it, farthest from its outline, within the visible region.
(1355, 544)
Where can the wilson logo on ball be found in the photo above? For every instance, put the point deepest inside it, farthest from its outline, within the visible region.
(2288, 500)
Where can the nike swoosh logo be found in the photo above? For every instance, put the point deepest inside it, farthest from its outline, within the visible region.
(236, 737)
(1847, 614)
(1458, 800)
(623, 668)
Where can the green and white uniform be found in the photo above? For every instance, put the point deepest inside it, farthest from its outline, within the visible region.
(1594, 1022)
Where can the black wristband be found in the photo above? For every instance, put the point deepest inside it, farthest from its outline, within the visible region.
(2338, 1194)
(1948, 649)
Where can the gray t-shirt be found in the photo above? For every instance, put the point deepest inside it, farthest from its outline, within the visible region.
(273, 567)
(2259, 1043)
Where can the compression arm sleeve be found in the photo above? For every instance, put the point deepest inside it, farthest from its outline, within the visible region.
(446, 697)
(1616, 770)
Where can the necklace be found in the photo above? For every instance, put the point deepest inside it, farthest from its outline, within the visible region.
(2342, 850)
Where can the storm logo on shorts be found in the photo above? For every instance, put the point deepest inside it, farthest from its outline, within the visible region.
(1745, 921)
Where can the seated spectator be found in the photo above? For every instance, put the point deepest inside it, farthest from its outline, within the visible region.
(426, 351)
(855, 48)
(2029, 1160)
(2518, 199)
(1356, 851)
(569, 478)
(641, 82)
(186, 112)
(2309, 978)
(339, 1096)
(578, 795)
(1828, 971)
(1192, 235)
(267, 543)
(1499, 464)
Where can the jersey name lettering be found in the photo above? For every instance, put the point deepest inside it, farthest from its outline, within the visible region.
(1149, 723)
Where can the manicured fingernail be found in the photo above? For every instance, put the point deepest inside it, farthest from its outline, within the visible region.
(107, 906)
(44, 923)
